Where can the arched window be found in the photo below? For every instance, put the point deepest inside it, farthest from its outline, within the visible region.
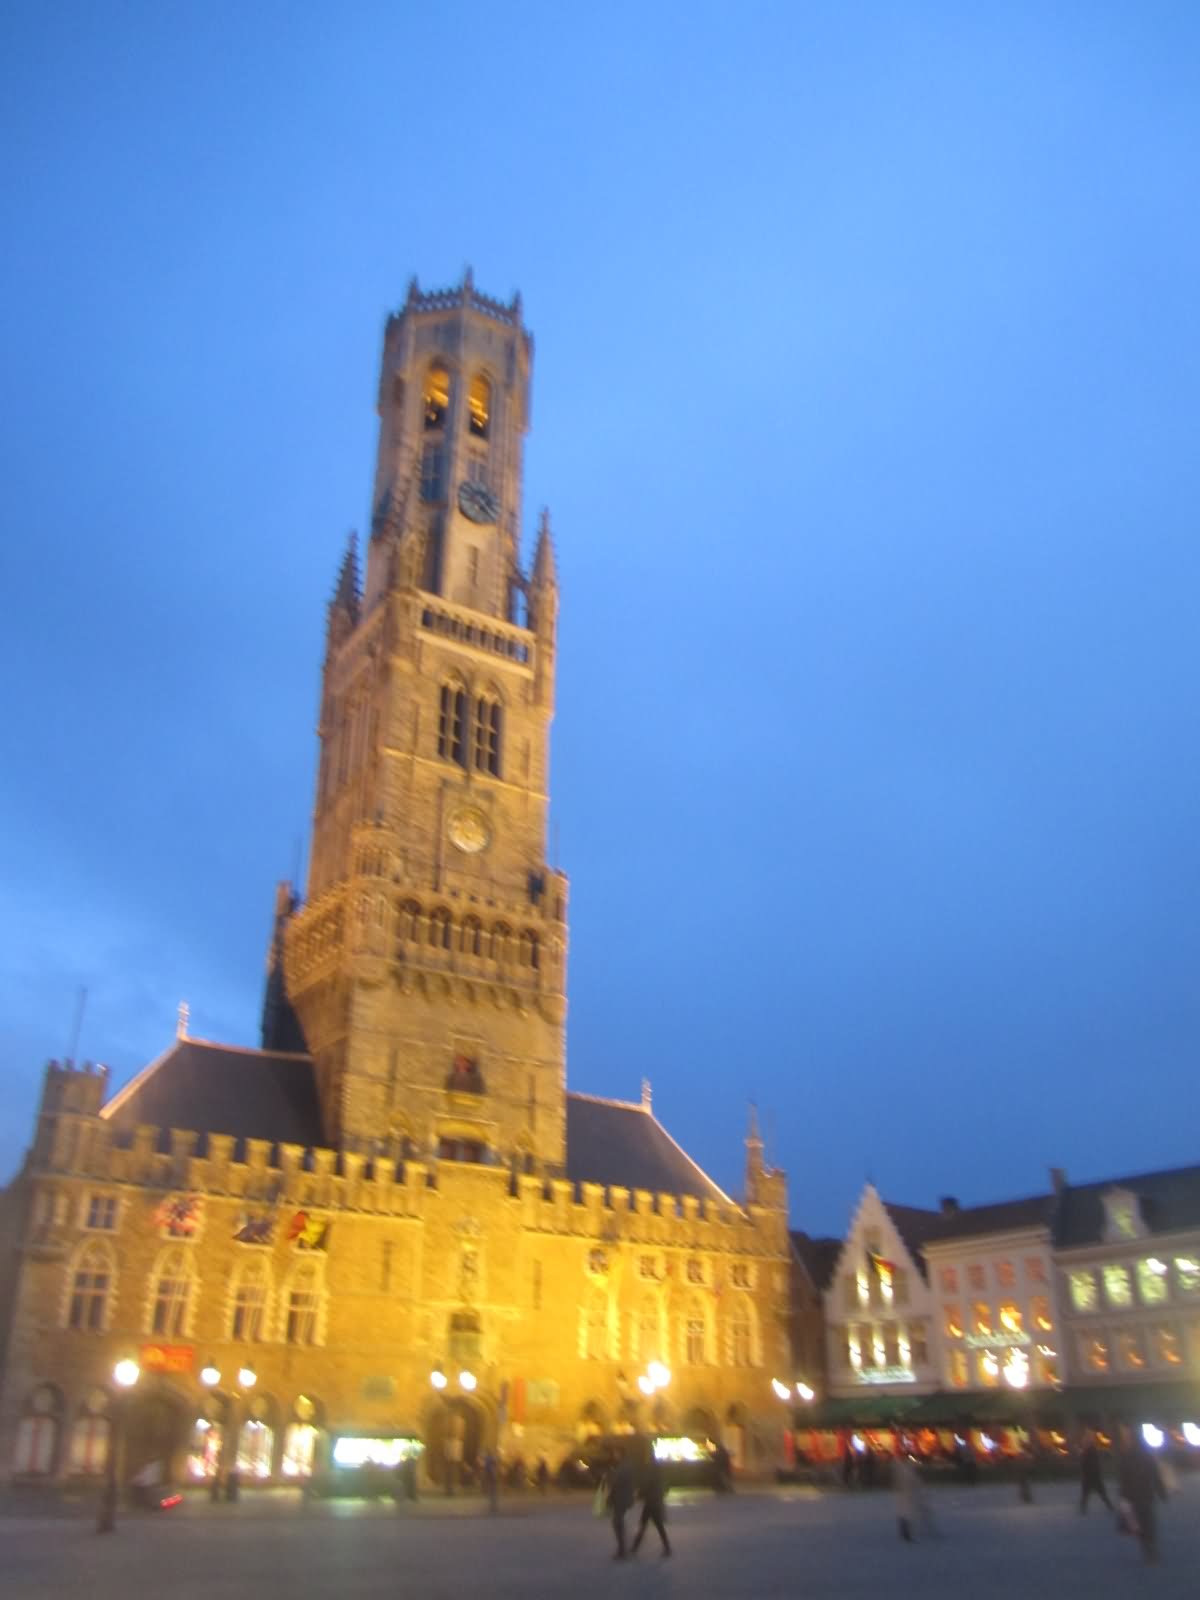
(304, 1306)
(479, 406)
(487, 735)
(251, 1298)
(529, 949)
(471, 942)
(256, 1447)
(35, 1446)
(439, 928)
(501, 937)
(740, 1331)
(452, 724)
(649, 1329)
(595, 1328)
(91, 1285)
(172, 1295)
(410, 921)
(695, 1333)
(437, 397)
(88, 1448)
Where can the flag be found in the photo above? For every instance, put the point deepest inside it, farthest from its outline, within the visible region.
(309, 1232)
(883, 1270)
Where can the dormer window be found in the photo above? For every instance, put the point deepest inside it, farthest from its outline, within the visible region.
(1122, 1215)
(437, 397)
(479, 407)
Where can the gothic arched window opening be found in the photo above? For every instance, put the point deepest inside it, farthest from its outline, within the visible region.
(439, 928)
(479, 406)
(437, 397)
(172, 1295)
(90, 1288)
(487, 735)
(452, 724)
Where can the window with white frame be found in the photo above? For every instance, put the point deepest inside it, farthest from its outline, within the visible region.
(101, 1213)
(172, 1295)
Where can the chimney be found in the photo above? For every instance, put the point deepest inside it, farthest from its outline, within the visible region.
(1058, 1179)
(948, 1205)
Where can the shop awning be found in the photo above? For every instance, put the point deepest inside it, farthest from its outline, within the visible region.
(862, 1411)
(1134, 1402)
(978, 1408)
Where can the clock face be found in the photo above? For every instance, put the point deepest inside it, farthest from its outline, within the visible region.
(469, 831)
(476, 502)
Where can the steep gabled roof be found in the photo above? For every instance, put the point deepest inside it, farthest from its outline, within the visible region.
(1004, 1217)
(618, 1142)
(914, 1225)
(218, 1088)
(1169, 1201)
(818, 1257)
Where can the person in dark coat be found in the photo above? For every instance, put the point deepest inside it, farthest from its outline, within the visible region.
(1140, 1484)
(1091, 1477)
(621, 1484)
(653, 1493)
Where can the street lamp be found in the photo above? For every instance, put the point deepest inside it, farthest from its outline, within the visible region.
(125, 1374)
(806, 1392)
(467, 1381)
(210, 1377)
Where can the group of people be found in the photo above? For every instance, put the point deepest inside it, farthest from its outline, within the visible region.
(635, 1474)
(1140, 1486)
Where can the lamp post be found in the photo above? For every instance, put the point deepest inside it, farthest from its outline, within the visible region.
(125, 1374)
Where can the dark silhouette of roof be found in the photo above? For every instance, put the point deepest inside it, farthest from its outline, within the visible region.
(967, 1221)
(915, 1227)
(818, 1257)
(1169, 1202)
(217, 1088)
(615, 1142)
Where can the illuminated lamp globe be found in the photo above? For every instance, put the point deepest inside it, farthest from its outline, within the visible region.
(126, 1373)
(1191, 1433)
(467, 1380)
(645, 1384)
(806, 1392)
(437, 1378)
(210, 1376)
(1153, 1436)
(781, 1389)
(247, 1377)
(660, 1376)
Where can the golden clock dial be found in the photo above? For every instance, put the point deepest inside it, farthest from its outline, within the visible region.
(469, 831)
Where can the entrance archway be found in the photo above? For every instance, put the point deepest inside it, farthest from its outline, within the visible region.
(454, 1439)
(700, 1424)
(157, 1427)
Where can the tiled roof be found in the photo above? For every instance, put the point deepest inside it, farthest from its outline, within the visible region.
(615, 1142)
(1170, 1203)
(216, 1088)
(818, 1257)
(970, 1221)
(914, 1225)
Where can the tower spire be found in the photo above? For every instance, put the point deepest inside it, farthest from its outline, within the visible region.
(545, 568)
(346, 595)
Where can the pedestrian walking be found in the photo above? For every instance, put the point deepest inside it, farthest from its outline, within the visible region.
(912, 1506)
(1091, 1476)
(1140, 1486)
(490, 1473)
(653, 1493)
(620, 1498)
(543, 1473)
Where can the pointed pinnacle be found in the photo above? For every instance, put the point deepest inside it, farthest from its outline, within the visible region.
(544, 566)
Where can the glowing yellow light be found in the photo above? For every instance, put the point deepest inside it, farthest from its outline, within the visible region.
(645, 1384)
(805, 1393)
(1191, 1433)
(127, 1373)
(247, 1377)
(210, 1376)
(1153, 1436)
(660, 1376)
(781, 1389)
(437, 1378)
(467, 1380)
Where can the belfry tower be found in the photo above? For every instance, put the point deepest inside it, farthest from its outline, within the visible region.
(427, 965)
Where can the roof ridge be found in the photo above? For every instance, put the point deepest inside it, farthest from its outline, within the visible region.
(691, 1162)
(603, 1100)
(138, 1079)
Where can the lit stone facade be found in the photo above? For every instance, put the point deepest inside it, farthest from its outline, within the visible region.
(418, 1192)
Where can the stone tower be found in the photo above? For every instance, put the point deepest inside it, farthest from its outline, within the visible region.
(427, 965)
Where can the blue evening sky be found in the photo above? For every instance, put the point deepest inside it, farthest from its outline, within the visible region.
(865, 403)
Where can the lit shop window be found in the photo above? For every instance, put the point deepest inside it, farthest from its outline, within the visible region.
(918, 1348)
(1093, 1349)
(1153, 1282)
(1083, 1288)
(1167, 1346)
(958, 1369)
(989, 1369)
(952, 1321)
(254, 1449)
(89, 1445)
(33, 1451)
(204, 1451)
(1187, 1275)
(299, 1450)
(981, 1317)
(1039, 1310)
(1118, 1290)
(1047, 1364)
(1006, 1275)
(1011, 1319)
(1131, 1350)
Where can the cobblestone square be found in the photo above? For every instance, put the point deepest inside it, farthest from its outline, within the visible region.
(753, 1545)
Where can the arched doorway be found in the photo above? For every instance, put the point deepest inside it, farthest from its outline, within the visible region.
(157, 1427)
(454, 1441)
(700, 1424)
